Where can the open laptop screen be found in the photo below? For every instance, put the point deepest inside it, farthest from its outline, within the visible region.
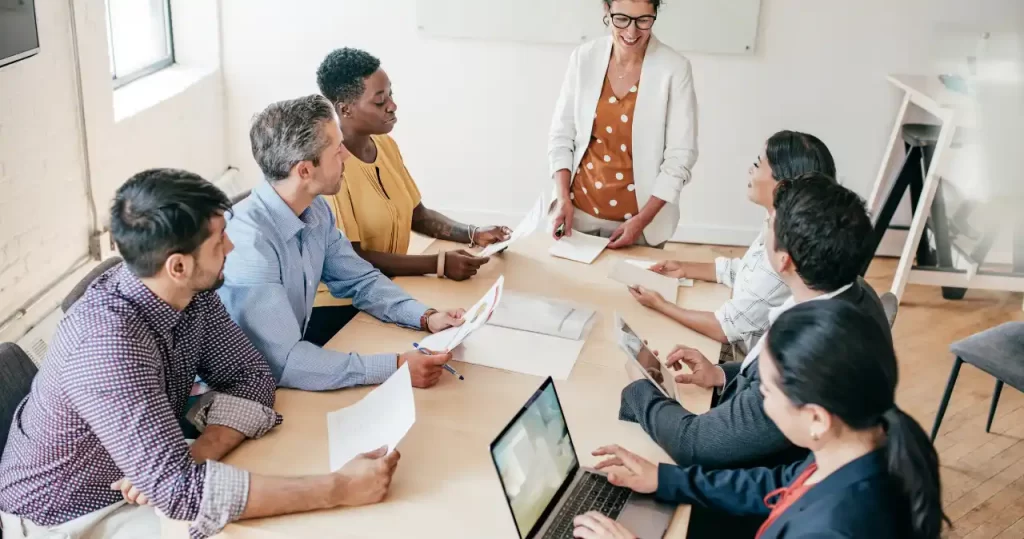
(535, 458)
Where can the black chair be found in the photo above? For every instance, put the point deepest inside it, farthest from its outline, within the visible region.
(998, 351)
(890, 304)
(16, 374)
(82, 285)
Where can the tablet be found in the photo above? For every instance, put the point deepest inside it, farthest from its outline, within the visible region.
(644, 358)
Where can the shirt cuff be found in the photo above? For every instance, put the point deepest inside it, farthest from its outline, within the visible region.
(668, 188)
(562, 162)
(248, 417)
(722, 270)
(379, 367)
(728, 328)
(225, 493)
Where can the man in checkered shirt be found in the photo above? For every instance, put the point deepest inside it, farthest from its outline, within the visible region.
(97, 444)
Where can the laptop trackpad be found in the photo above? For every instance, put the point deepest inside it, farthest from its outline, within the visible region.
(646, 517)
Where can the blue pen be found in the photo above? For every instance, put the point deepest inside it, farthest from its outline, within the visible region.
(446, 366)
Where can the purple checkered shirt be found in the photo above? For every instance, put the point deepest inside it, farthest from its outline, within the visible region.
(107, 401)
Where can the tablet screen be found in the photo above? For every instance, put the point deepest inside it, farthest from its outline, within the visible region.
(639, 353)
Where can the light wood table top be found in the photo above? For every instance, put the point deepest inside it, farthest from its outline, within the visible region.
(446, 485)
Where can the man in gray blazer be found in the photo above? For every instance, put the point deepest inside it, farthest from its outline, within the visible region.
(817, 243)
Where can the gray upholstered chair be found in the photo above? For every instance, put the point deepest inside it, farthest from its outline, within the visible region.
(16, 374)
(82, 285)
(998, 351)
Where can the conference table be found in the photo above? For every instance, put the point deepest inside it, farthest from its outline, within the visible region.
(446, 484)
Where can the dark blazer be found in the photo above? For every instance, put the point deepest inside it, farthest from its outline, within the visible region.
(736, 432)
(858, 500)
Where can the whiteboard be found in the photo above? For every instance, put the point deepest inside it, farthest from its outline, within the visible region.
(712, 26)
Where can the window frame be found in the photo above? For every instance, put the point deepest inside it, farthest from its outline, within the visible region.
(144, 71)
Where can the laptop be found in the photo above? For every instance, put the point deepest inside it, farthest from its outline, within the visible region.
(644, 359)
(545, 486)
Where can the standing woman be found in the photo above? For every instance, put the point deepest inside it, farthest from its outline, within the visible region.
(623, 137)
(829, 377)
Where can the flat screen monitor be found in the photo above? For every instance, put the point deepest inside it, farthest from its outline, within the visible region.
(19, 37)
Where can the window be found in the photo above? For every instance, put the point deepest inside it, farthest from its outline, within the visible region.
(138, 38)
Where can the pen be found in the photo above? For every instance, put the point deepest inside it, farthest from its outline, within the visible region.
(446, 366)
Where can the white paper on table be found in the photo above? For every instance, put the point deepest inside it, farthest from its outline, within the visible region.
(475, 317)
(579, 247)
(525, 227)
(521, 351)
(648, 264)
(539, 314)
(631, 275)
(382, 417)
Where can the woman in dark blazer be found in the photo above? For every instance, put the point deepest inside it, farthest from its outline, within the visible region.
(829, 379)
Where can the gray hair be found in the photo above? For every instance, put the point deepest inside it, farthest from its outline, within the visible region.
(289, 132)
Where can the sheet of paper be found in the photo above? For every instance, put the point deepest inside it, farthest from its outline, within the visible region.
(579, 247)
(631, 275)
(648, 264)
(476, 316)
(383, 417)
(540, 314)
(521, 351)
(525, 227)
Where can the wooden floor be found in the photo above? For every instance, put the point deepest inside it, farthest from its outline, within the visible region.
(982, 474)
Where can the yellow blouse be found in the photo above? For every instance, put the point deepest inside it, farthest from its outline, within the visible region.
(374, 206)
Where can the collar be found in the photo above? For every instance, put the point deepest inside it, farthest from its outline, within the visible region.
(864, 468)
(790, 302)
(288, 224)
(158, 313)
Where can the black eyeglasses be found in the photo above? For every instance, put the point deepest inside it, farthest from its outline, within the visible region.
(622, 21)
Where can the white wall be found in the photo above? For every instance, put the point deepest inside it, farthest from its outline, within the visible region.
(43, 217)
(474, 115)
(178, 121)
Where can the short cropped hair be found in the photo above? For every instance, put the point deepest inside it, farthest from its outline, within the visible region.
(289, 132)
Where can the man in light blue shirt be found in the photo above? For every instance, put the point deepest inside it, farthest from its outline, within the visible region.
(286, 243)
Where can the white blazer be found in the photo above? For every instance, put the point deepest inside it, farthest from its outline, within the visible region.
(664, 124)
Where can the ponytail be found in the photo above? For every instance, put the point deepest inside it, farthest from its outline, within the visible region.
(914, 464)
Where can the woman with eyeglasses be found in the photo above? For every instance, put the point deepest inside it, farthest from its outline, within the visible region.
(623, 138)
(756, 288)
(828, 375)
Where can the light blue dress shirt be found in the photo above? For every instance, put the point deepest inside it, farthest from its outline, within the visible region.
(270, 283)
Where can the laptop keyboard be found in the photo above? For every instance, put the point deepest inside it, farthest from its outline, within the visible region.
(592, 493)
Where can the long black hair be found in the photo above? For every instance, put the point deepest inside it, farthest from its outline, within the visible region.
(831, 354)
(792, 154)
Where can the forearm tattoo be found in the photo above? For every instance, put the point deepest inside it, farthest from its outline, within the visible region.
(431, 223)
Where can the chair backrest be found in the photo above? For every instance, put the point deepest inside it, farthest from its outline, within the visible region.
(240, 197)
(82, 285)
(16, 374)
(891, 304)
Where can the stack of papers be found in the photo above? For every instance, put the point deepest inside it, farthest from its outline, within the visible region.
(382, 418)
(632, 275)
(525, 227)
(475, 318)
(579, 247)
(542, 315)
(520, 351)
(648, 264)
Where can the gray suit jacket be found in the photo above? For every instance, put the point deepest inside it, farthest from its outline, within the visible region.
(736, 432)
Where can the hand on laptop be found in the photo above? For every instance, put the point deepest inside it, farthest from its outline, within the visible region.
(594, 525)
(705, 374)
(365, 479)
(628, 469)
(425, 367)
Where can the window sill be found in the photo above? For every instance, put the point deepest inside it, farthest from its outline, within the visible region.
(149, 91)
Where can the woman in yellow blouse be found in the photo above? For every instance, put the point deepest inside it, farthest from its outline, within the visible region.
(379, 204)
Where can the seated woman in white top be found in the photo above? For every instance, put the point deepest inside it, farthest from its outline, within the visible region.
(756, 288)
(624, 133)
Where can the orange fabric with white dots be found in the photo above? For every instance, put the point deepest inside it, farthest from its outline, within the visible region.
(603, 186)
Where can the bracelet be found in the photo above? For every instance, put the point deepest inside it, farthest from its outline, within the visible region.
(472, 235)
(440, 265)
(424, 325)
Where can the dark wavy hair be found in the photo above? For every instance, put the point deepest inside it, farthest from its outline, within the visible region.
(832, 354)
(825, 229)
(792, 154)
(341, 76)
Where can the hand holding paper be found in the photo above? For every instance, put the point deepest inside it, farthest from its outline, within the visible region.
(631, 275)
(579, 247)
(524, 228)
(473, 319)
(650, 266)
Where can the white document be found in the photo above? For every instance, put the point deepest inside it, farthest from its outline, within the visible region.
(579, 247)
(631, 275)
(476, 316)
(525, 227)
(520, 351)
(648, 264)
(383, 417)
(539, 314)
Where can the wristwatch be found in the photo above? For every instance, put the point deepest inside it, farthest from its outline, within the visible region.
(426, 316)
